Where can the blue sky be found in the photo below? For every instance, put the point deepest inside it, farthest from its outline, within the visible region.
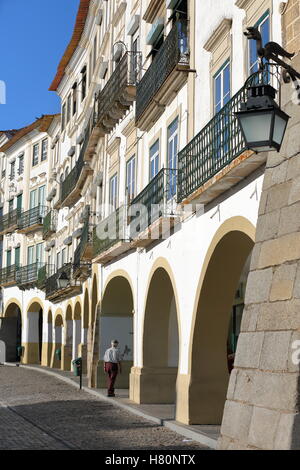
(33, 38)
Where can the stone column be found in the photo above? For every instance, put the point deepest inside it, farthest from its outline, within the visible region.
(31, 339)
(66, 352)
(76, 337)
(262, 407)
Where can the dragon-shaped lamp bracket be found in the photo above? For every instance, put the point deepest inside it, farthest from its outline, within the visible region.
(271, 52)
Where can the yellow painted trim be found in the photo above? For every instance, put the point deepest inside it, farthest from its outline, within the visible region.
(10, 302)
(119, 273)
(33, 301)
(69, 316)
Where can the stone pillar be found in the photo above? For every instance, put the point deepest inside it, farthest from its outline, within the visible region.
(31, 339)
(82, 349)
(67, 346)
(262, 407)
(76, 337)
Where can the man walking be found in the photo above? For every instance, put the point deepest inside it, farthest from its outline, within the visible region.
(112, 365)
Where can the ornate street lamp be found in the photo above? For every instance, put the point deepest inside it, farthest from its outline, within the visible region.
(262, 122)
(63, 280)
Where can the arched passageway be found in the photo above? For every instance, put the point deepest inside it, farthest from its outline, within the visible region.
(116, 322)
(56, 360)
(33, 344)
(216, 328)
(11, 334)
(67, 340)
(48, 345)
(157, 379)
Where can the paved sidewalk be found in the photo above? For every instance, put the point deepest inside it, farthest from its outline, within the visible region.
(40, 410)
(163, 415)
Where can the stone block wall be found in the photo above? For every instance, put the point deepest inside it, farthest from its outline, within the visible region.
(262, 410)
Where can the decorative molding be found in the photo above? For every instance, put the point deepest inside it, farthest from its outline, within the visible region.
(223, 29)
(152, 10)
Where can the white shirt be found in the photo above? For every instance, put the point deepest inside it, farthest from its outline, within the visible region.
(112, 355)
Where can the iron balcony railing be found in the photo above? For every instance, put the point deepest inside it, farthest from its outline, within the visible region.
(174, 51)
(110, 231)
(85, 239)
(216, 145)
(126, 74)
(28, 275)
(51, 284)
(154, 201)
(8, 275)
(69, 184)
(32, 217)
(49, 224)
(10, 220)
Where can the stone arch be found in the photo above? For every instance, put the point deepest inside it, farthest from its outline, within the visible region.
(34, 332)
(67, 340)
(116, 321)
(77, 319)
(208, 359)
(156, 382)
(11, 331)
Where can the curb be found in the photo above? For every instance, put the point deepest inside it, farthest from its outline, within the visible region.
(172, 425)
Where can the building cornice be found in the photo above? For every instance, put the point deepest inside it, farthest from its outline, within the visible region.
(223, 28)
(152, 10)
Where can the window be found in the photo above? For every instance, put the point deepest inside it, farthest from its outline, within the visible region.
(90, 67)
(172, 157)
(63, 256)
(17, 256)
(95, 52)
(135, 62)
(83, 83)
(222, 87)
(35, 155)
(19, 202)
(63, 116)
(221, 97)
(58, 261)
(21, 164)
(74, 94)
(8, 258)
(69, 102)
(130, 178)
(113, 192)
(10, 205)
(12, 170)
(35, 253)
(154, 159)
(264, 27)
(44, 150)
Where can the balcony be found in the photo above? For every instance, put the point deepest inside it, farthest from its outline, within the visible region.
(165, 76)
(32, 219)
(71, 187)
(84, 253)
(56, 293)
(9, 222)
(154, 211)
(118, 94)
(44, 272)
(27, 276)
(8, 276)
(109, 237)
(49, 224)
(217, 159)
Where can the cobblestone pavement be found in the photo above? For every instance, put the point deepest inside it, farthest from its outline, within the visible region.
(38, 411)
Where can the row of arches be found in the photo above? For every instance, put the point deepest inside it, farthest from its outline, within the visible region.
(199, 391)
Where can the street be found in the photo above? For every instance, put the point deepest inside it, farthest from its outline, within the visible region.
(40, 412)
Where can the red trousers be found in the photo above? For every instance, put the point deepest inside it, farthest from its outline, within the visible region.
(112, 371)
